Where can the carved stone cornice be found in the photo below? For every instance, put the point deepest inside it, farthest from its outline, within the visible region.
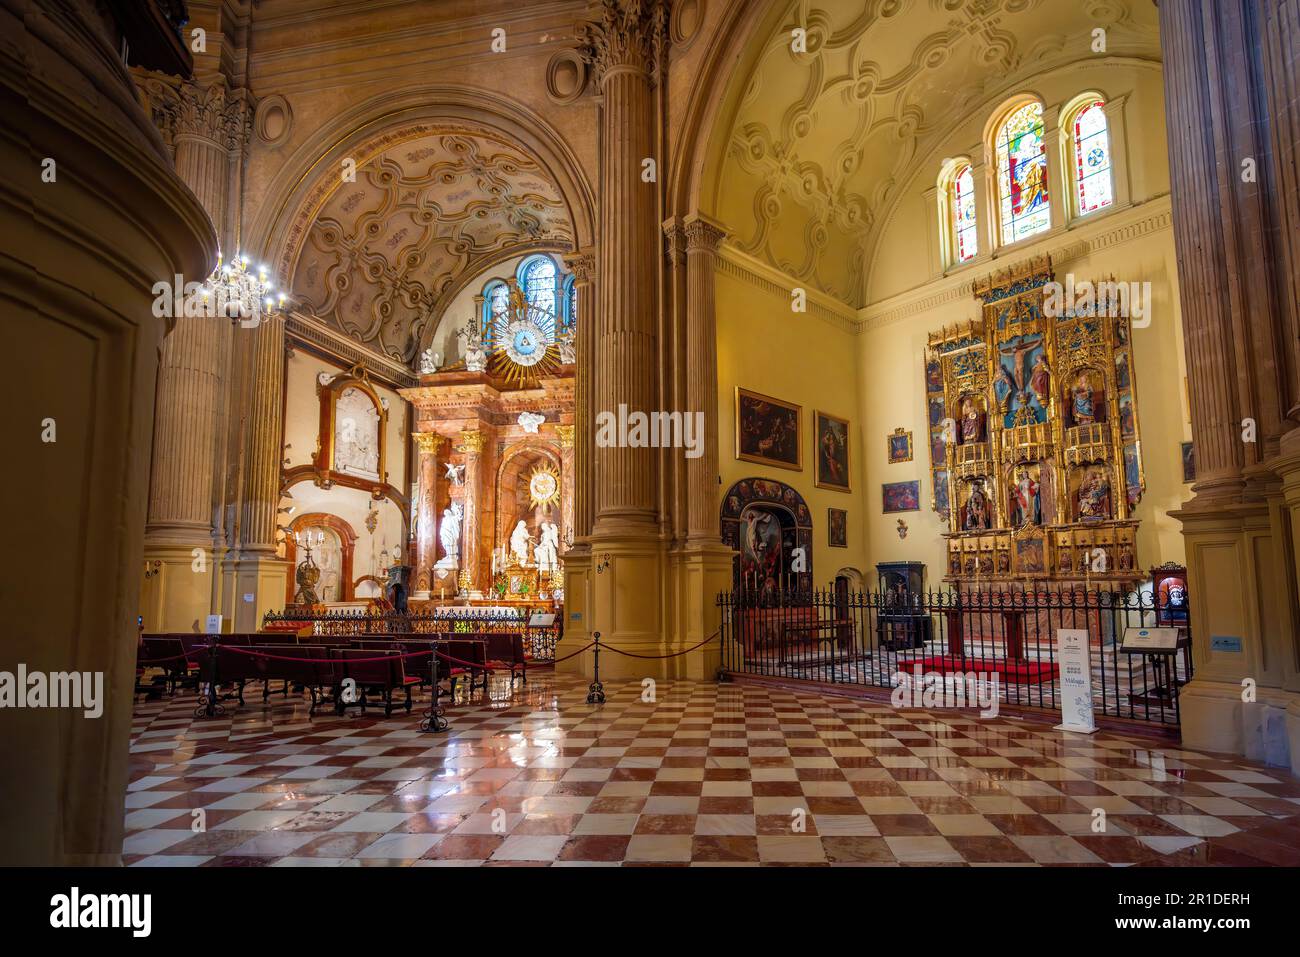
(631, 34)
(582, 265)
(182, 108)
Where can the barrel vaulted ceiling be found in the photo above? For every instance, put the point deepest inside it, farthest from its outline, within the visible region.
(825, 141)
(384, 253)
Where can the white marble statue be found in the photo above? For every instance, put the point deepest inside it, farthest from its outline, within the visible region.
(449, 533)
(546, 554)
(455, 473)
(519, 540)
(356, 434)
(529, 421)
(568, 346)
(429, 361)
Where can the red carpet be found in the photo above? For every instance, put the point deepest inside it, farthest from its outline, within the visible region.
(1016, 672)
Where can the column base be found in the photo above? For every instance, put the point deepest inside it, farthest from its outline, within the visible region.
(1214, 718)
(176, 587)
(698, 571)
(259, 586)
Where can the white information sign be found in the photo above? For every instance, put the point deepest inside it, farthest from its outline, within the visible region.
(1150, 639)
(1076, 681)
(212, 625)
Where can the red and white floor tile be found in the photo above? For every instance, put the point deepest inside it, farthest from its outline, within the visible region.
(707, 775)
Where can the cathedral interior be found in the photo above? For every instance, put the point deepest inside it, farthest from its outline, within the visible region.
(588, 433)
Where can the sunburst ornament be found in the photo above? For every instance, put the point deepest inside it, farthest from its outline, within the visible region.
(523, 342)
(544, 486)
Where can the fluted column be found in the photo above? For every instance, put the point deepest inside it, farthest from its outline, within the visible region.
(624, 48)
(583, 267)
(264, 437)
(471, 445)
(206, 127)
(567, 450)
(430, 446)
(702, 239)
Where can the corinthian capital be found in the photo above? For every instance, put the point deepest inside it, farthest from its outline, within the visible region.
(630, 33)
(188, 108)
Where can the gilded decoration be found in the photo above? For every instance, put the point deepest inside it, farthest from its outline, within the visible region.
(1035, 454)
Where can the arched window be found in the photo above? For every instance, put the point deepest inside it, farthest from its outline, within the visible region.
(1092, 180)
(539, 280)
(961, 212)
(496, 300)
(1022, 174)
(570, 301)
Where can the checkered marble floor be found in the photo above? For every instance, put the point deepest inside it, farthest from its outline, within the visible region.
(707, 775)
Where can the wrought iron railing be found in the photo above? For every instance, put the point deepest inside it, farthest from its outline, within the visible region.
(871, 638)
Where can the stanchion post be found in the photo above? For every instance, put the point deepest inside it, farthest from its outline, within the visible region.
(596, 691)
(209, 707)
(434, 722)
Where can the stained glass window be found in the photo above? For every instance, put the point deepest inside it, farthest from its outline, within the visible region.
(1092, 159)
(571, 295)
(963, 215)
(537, 278)
(1022, 174)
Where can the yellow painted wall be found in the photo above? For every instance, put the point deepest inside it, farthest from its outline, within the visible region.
(765, 347)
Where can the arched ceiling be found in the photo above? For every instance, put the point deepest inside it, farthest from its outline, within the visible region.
(428, 207)
(825, 141)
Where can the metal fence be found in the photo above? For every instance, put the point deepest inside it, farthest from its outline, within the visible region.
(870, 638)
(539, 642)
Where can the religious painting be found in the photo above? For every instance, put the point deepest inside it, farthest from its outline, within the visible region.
(1026, 501)
(1092, 496)
(767, 431)
(901, 496)
(356, 434)
(1127, 426)
(900, 446)
(1169, 591)
(762, 546)
(976, 507)
(1029, 555)
(941, 496)
(933, 376)
(831, 448)
(936, 412)
(938, 449)
(1122, 378)
(837, 525)
(1189, 463)
(1022, 381)
(1133, 474)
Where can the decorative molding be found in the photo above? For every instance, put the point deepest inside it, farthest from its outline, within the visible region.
(320, 338)
(732, 262)
(1063, 247)
(471, 441)
(181, 108)
(582, 264)
(429, 443)
(703, 234)
(565, 432)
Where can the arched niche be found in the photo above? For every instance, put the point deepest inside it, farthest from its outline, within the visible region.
(347, 540)
(754, 512)
(350, 441)
(518, 462)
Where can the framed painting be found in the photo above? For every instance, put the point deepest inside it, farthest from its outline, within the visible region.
(900, 446)
(767, 430)
(1169, 593)
(831, 451)
(901, 496)
(837, 528)
(1189, 463)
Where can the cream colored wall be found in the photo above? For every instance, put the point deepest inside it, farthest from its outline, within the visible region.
(301, 426)
(765, 347)
(909, 302)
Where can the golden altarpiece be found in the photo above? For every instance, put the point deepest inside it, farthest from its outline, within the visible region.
(1035, 454)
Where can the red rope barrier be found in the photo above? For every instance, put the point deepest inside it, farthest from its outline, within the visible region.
(675, 654)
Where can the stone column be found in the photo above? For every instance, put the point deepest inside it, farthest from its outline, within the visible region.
(430, 446)
(567, 480)
(703, 236)
(207, 127)
(471, 445)
(1234, 195)
(624, 49)
(583, 266)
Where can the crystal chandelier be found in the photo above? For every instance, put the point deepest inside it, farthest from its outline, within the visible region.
(244, 294)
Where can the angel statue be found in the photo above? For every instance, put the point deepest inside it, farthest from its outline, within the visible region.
(449, 532)
(455, 473)
(429, 361)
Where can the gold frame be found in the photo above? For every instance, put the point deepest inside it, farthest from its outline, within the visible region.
(760, 459)
(323, 461)
(889, 448)
(845, 513)
(848, 455)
